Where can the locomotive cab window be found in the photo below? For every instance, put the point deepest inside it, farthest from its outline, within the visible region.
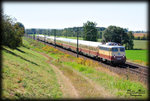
(122, 49)
(115, 49)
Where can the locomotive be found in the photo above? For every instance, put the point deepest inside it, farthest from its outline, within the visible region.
(110, 52)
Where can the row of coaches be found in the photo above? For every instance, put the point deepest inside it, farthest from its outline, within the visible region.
(110, 51)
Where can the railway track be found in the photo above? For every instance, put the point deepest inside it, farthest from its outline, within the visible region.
(139, 71)
(138, 68)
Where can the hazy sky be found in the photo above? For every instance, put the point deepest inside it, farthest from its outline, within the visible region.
(131, 15)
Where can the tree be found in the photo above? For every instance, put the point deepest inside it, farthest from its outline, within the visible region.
(11, 32)
(129, 44)
(115, 34)
(100, 34)
(90, 31)
(20, 27)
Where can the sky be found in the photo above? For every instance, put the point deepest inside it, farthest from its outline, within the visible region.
(59, 15)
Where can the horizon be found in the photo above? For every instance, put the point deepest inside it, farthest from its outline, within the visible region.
(79, 26)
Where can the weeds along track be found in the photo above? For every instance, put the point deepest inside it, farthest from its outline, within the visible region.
(129, 69)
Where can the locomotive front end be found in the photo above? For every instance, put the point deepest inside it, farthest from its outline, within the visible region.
(118, 55)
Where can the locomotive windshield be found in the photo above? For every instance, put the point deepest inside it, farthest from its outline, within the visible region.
(115, 49)
(122, 49)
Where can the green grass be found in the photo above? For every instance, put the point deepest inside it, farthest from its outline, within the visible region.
(138, 56)
(115, 85)
(26, 74)
(140, 52)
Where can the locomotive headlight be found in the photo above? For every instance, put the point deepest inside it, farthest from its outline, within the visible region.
(114, 56)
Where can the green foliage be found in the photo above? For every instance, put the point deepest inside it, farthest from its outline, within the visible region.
(90, 31)
(118, 35)
(100, 34)
(20, 28)
(66, 32)
(115, 34)
(11, 32)
(129, 44)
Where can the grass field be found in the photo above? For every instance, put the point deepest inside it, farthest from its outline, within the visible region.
(25, 74)
(140, 44)
(138, 56)
(140, 53)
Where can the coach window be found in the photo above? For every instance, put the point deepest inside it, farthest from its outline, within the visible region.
(106, 49)
(103, 48)
(115, 49)
(121, 49)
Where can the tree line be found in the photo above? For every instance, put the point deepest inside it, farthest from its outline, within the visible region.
(90, 32)
(144, 37)
(12, 33)
(66, 32)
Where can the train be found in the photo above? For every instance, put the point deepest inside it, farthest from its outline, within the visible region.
(107, 52)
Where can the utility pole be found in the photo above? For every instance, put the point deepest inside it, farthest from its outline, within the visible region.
(34, 35)
(55, 37)
(77, 43)
(38, 35)
(44, 36)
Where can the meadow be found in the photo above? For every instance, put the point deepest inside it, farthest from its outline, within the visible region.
(137, 56)
(140, 52)
(140, 44)
(25, 74)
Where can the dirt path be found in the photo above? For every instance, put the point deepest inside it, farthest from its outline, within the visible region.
(76, 85)
(66, 86)
(104, 93)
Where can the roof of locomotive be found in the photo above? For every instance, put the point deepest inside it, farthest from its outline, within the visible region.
(111, 46)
